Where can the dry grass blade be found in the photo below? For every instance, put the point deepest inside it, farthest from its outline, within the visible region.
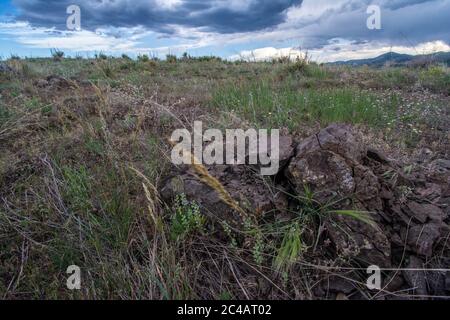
(152, 197)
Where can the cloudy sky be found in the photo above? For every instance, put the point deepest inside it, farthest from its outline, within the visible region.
(328, 29)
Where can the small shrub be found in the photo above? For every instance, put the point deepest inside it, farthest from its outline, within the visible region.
(170, 58)
(187, 218)
(107, 69)
(282, 60)
(57, 55)
(186, 57)
(301, 65)
(143, 58)
(101, 56)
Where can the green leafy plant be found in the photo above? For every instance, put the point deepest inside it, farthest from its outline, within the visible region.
(187, 218)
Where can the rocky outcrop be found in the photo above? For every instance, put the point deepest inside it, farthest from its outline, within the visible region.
(409, 213)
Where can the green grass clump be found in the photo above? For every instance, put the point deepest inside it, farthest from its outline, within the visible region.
(5, 115)
(57, 55)
(267, 103)
(77, 188)
(436, 78)
(291, 248)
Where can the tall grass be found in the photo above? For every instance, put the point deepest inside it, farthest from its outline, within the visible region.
(267, 103)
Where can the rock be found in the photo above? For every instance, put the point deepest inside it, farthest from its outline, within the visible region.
(41, 83)
(430, 192)
(435, 282)
(286, 150)
(367, 188)
(433, 212)
(439, 171)
(53, 82)
(337, 284)
(421, 238)
(442, 164)
(423, 155)
(329, 164)
(194, 189)
(414, 210)
(377, 155)
(337, 138)
(334, 165)
(394, 283)
(58, 82)
(341, 296)
(327, 174)
(354, 239)
(386, 194)
(415, 277)
(4, 68)
(424, 211)
(244, 186)
(400, 215)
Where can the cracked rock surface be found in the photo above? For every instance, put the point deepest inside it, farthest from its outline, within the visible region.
(410, 212)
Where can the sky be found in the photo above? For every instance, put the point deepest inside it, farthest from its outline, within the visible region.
(328, 30)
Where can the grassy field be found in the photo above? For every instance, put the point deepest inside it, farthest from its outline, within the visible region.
(84, 151)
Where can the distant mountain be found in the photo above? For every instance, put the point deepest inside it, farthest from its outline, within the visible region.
(397, 59)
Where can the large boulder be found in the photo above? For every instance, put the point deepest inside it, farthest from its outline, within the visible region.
(421, 238)
(330, 165)
(247, 189)
(337, 138)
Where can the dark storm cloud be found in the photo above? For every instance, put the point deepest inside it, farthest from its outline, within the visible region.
(213, 15)
(404, 22)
